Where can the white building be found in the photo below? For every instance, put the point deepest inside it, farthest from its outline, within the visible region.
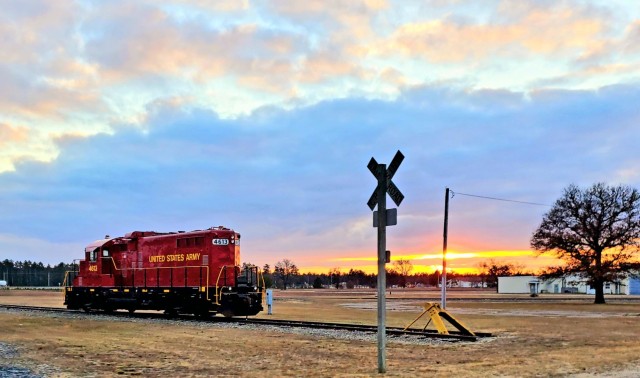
(518, 285)
(573, 284)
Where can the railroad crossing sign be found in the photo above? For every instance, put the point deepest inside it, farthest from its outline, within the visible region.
(385, 217)
(395, 193)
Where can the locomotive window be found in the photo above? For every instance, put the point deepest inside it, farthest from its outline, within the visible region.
(105, 253)
(93, 256)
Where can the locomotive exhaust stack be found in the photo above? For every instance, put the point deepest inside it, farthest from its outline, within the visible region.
(194, 272)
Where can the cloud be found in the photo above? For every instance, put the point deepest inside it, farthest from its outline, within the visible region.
(214, 6)
(39, 67)
(163, 47)
(552, 31)
(295, 183)
(14, 141)
(335, 20)
(12, 134)
(90, 65)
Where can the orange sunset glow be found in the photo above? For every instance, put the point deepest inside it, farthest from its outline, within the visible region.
(457, 261)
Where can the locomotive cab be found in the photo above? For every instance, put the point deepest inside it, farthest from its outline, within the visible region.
(245, 296)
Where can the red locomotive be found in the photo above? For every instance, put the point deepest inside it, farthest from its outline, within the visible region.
(178, 272)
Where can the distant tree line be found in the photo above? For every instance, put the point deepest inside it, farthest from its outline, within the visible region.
(31, 273)
(286, 275)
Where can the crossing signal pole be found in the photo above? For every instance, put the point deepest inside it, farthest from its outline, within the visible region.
(443, 303)
(382, 218)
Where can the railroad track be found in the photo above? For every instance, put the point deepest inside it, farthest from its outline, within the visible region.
(390, 331)
(34, 308)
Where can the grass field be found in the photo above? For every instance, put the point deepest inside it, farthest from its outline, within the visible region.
(553, 335)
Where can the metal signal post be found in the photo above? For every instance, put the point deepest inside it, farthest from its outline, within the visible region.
(382, 272)
(385, 217)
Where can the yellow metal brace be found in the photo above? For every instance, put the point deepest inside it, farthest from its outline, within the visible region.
(437, 313)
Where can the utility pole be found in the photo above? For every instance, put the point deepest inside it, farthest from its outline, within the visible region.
(444, 249)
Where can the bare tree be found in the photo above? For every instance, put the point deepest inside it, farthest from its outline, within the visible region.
(334, 276)
(403, 267)
(285, 269)
(596, 231)
(490, 271)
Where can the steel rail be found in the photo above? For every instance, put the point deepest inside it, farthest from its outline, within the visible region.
(34, 308)
(396, 331)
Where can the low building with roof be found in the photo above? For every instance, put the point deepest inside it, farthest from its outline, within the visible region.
(572, 285)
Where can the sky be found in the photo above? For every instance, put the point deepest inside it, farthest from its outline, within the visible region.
(261, 116)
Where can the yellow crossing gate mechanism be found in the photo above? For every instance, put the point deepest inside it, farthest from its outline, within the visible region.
(437, 314)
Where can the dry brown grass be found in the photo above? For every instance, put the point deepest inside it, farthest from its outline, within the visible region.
(535, 338)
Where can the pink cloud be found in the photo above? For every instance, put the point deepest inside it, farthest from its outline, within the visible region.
(40, 68)
(546, 32)
(215, 6)
(12, 134)
(254, 56)
(632, 38)
(325, 66)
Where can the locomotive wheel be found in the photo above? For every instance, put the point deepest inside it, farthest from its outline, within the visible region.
(86, 309)
(227, 313)
(131, 310)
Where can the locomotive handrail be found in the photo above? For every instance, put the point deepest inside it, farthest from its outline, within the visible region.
(259, 276)
(64, 281)
(112, 261)
(219, 293)
(169, 267)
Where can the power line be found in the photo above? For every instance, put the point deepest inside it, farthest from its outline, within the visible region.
(500, 199)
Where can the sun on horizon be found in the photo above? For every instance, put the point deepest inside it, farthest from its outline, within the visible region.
(459, 262)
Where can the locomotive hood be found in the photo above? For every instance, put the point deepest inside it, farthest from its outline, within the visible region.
(98, 243)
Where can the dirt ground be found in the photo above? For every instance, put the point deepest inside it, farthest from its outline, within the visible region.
(553, 335)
